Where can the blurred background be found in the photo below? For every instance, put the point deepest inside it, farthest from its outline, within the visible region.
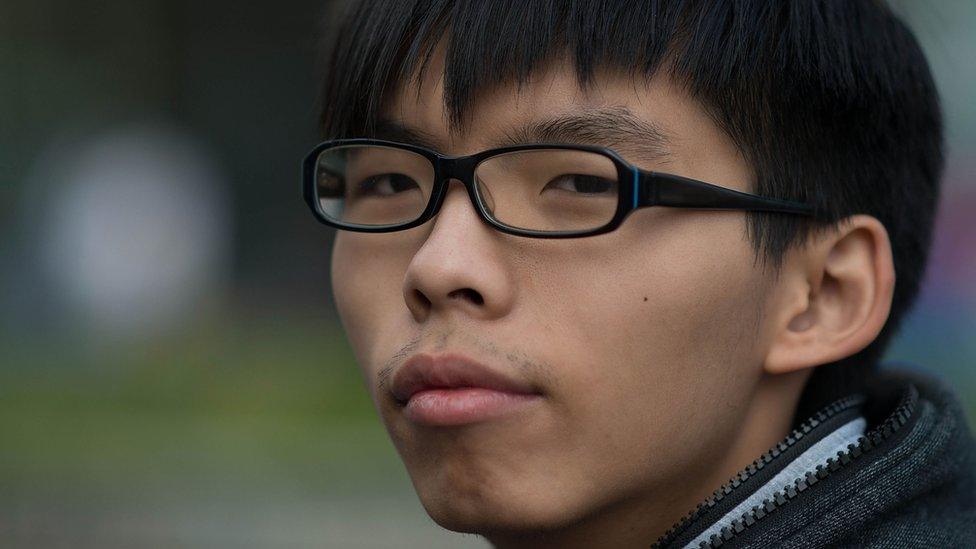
(172, 371)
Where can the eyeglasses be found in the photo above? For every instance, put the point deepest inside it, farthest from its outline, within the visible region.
(534, 190)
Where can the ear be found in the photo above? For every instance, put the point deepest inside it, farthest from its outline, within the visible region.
(834, 296)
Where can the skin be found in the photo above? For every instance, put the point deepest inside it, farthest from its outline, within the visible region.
(668, 359)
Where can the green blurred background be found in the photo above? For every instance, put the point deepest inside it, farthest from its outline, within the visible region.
(172, 371)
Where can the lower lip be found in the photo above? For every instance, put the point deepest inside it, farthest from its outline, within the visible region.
(442, 407)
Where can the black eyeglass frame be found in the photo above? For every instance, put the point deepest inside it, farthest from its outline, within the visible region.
(637, 189)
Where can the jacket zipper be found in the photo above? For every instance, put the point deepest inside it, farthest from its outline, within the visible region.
(864, 444)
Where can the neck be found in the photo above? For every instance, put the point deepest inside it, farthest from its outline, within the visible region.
(641, 519)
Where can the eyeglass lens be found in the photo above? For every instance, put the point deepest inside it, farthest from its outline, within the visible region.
(537, 189)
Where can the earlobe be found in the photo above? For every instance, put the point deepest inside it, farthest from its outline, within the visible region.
(836, 296)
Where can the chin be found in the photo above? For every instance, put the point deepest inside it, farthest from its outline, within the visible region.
(491, 509)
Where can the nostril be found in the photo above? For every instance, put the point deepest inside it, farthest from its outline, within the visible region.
(422, 298)
(468, 293)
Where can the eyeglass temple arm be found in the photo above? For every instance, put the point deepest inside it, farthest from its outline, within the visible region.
(658, 189)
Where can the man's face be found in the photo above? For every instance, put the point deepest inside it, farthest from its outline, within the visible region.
(645, 344)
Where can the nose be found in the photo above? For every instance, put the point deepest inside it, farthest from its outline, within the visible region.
(461, 267)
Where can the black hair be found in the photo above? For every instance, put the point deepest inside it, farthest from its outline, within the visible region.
(831, 102)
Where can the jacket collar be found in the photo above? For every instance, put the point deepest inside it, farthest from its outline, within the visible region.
(836, 437)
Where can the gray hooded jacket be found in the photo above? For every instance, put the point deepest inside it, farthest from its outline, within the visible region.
(893, 466)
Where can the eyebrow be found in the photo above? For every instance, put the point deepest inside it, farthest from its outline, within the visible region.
(391, 130)
(614, 127)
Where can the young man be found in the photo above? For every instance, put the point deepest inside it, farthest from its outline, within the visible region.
(620, 273)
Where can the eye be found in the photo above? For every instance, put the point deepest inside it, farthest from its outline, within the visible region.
(385, 185)
(583, 184)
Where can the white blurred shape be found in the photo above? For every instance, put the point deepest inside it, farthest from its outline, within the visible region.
(138, 229)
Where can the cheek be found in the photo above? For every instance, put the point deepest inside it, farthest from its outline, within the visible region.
(665, 295)
(353, 308)
(366, 291)
(675, 367)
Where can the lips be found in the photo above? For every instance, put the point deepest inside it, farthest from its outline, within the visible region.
(423, 371)
(452, 389)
